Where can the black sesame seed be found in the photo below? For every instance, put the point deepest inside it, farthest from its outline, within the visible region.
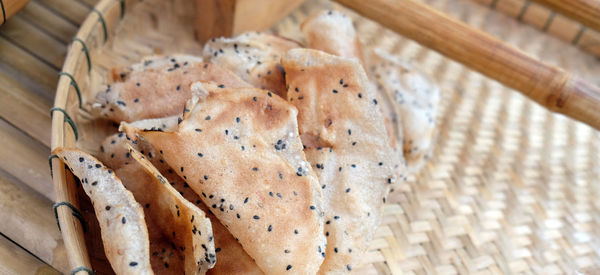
(237, 119)
(359, 95)
(178, 87)
(197, 130)
(270, 228)
(353, 165)
(107, 207)
(286, 251)
(349, 132)
(123, 220)
(254, 98)
(256, 217)
(255, 169)
(296, 231)
(348, 267)
(238, 215)
(312, 207)
(221, 86)
(246, 200)
(132, 263)
(323, 186)
(218, 250)
(348, 190)
(200, 154)
(207, 118)
(288, 267)
(205, 177)
(137, 84)
(336, 217)
(335, 91)
(94, 183)
(81, 159)
(375, 101)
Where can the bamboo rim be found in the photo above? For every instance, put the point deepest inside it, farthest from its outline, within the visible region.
(98, 26)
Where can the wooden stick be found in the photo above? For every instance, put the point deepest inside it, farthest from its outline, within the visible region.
(551, 87)
(586, 12)
(8, 8)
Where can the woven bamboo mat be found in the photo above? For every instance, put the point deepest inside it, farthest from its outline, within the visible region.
(510, 187)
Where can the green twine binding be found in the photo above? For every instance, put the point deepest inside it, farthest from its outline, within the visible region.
(493, 5)
(101, 19)
(549, 21)
(523, 10)
(82, 268)
(75, 213)
(122, 8)
(579, 34)
(74, 84)
(53, 156)
(87, 54)
(67, 119)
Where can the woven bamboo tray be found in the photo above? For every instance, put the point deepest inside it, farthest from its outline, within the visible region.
(510, 188)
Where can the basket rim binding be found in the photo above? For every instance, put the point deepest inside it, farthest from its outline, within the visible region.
(68, 219)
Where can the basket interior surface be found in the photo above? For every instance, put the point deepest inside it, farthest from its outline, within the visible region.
(510, 186)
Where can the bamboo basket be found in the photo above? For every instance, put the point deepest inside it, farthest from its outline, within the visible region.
(510, 187)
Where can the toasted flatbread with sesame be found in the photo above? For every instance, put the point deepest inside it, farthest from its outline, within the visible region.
(158, 87)
(253, 56)
(231, 257)
(415, 99)
(332, 32)
(240, 149)
(346, 142)
(121, 218)
(186, 226)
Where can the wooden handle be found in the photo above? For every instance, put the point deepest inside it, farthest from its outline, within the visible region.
(549, 86)
(586, 12)
(9, 8)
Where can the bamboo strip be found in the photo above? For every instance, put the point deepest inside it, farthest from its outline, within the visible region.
(25, 158)
(9, 8)
(549, 21)
(23, 107)
(29, 66)
(27, 219)
(586, 12)
(75, 11)
(49, 21)
(27, 36)
(15, 260)
(549, 86)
